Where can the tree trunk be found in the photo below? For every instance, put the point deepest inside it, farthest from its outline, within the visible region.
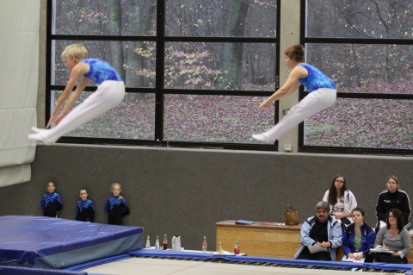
(115, 28)
(232, 60)
(140, 20)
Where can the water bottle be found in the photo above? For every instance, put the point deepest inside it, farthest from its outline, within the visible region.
(148, 242)
(157, 242)
(220, 251)
(165, 242)
(236, 248)
(204, 245)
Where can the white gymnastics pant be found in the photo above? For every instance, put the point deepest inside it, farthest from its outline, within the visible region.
(313, 103)
(108, 94)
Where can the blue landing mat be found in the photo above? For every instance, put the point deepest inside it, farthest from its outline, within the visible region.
(57, 243)
(15, 270)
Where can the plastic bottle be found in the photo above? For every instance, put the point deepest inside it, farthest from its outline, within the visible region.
(165, 242)
(204, 245)
(220, 251)
(236, 248)
(148, 242)
(157, 242)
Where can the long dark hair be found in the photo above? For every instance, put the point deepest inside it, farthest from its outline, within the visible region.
(398, 215)
(332, 193)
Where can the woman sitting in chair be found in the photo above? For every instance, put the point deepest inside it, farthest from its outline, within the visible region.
(392, 243)
(358, 237)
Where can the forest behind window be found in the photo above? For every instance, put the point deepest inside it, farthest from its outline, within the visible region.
(196, 70)
(202, 68)
(367, 48)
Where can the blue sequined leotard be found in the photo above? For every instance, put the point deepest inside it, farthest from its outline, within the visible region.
(315, 79)
(48, 198)
(84, 204)
(100, 70)
(112, 201)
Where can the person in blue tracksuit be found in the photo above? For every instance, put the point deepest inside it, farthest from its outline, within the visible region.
(85, 209)
(116, 206)
(358, 237)
(51, 202)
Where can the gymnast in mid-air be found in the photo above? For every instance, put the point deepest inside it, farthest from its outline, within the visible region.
(321, 90)
(110, 92)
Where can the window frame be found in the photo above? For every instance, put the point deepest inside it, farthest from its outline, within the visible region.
(327, 149)
(160, 39)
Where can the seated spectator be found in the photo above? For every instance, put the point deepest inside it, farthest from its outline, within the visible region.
(358, 238)
(321, 235)
(341, 201)
(393, 240)
(391, 198)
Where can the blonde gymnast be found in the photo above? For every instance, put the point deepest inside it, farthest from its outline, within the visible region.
(110, 92)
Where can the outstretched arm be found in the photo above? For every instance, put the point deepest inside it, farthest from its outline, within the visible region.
(79, 69)
(72, 99)
(289, 86)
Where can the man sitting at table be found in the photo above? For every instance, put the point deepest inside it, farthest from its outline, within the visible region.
(321, 235)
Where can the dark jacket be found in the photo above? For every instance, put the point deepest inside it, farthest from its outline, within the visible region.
(116, 208)
(387, 201)
(367, 239)
(85, 211)
(51, 204)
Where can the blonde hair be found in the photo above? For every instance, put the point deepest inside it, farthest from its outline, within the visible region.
(116, 185)
(77, 50)
(393, 178)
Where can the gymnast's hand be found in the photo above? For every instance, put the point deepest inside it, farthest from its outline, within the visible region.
(266, 103)
(58, 120)
(52, 119)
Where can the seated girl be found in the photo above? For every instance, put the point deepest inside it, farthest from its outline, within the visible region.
(358, 238)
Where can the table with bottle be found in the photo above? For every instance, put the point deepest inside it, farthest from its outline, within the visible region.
(264, 239)
(176, 246)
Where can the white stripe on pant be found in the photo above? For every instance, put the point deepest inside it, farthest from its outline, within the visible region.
(313, 103)
(108, 94)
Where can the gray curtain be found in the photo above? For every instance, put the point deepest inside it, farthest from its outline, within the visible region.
(19, 69)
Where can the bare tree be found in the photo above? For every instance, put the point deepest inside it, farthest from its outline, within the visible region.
(232, 57)
(115, 28)
(139, 23)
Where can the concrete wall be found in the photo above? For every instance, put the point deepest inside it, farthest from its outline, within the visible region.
(182, 191)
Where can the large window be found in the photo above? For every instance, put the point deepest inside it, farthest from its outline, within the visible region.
(195, 71)
(367, 48)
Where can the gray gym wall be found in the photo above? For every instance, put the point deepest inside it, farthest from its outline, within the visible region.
(186, 191)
